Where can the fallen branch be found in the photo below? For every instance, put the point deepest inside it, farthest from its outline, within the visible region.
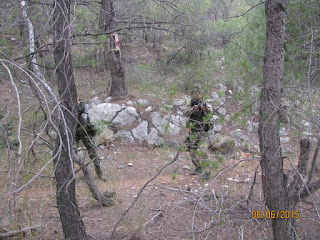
(15, 233)
(104, 200)
(174, 55)
(139, 193)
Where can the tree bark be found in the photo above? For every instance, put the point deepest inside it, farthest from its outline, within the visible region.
(273, 179)
(72, 223)
(108, 23)
(105, 201)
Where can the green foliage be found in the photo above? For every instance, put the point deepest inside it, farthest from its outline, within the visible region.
(101, 125)
(5, 46)
(302, 28)
(244, 58)
(173, 90)
(174, 176)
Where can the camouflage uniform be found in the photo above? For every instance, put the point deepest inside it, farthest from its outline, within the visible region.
(198, 125)
(86, 132)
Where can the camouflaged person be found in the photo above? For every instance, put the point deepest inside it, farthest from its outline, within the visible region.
(199, 113)
(86, 132)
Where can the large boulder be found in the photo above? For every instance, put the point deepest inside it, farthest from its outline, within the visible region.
(141, 131)
(124, 136)
(153, 138)
(105, 137)
(126, 116)
(164, 123)
(179, 120)
(109, 112)
(104, 112)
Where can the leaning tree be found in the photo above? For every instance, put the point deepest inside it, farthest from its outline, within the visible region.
(72, 223)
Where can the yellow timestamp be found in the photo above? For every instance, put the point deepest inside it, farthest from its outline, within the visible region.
(275, 214)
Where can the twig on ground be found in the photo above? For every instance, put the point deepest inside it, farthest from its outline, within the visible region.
(139, 193)
(15, 233)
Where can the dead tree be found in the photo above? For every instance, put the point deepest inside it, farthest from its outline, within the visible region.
(108, 23)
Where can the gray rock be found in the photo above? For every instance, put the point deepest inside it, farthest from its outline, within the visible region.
(179, 120)
(104, 111)
(222, 101)
(225, 145)
(179, 112)
(253, 90)
(94, 101)
(141, 131)
(184, 107)
(211, 135)
(217, 127)
(164, 123)
(252, 126)
(166, 108)
(283, 132)
(305, 123)
(149, 109)
(153, 138)
(183, 121)
(127, 116)
(178, 102)
(240, 138)
(108, 99)
(105, 137)
(221, 87)
(124, 136)
(214, 118)
(284, 139)
(214, 96)
(227, 118)
(222, 111)
(143, 102)
(305, 133)
(229, 92)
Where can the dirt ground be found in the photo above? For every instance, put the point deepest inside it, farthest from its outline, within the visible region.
(176, 205)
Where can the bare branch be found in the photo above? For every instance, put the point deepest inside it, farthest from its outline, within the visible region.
(18, 232)
(139, 193)
(314, 160)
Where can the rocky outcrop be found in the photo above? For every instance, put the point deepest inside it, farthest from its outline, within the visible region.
(140, 121)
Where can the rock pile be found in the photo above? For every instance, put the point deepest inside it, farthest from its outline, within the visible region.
(140, 122)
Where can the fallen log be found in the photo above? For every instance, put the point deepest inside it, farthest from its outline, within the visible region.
(17, 232)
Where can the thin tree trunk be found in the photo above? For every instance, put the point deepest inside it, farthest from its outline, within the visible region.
(72, 223)
(108, 23)
(32, 48)
(273, 179)
(314, 161)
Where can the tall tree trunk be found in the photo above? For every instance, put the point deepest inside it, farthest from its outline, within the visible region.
(109, 24)
(273, 179)
(72, 223)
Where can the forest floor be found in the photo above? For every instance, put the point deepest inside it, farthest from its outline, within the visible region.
(175, 206)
